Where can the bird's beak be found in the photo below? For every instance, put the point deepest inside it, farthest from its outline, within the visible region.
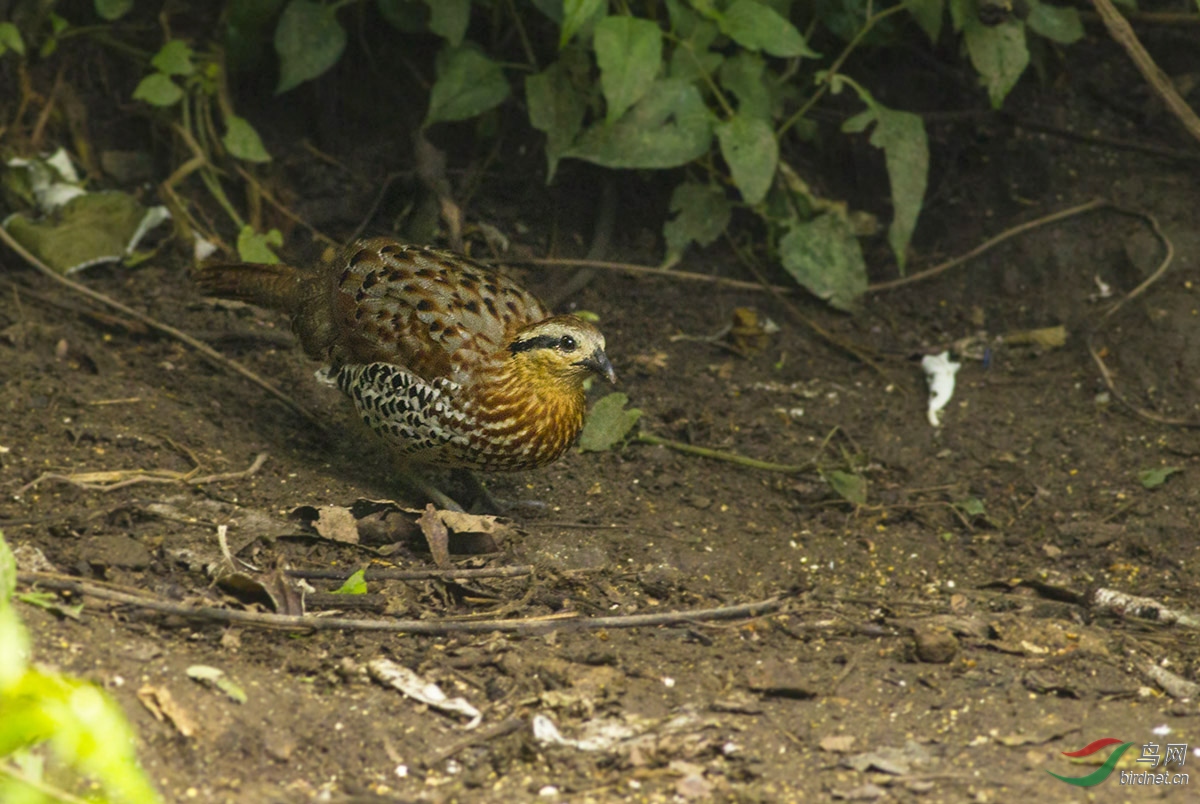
(599, 363)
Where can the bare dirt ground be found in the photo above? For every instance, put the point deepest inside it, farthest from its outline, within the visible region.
(935, 644)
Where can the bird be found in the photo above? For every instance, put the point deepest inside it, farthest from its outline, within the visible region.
(455, 365)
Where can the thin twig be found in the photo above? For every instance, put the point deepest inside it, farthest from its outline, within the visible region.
(728, 457)
(1163, 265)
(987, 245)
(850, 348)
(646, 270)
(372, 574)
(1172, 18)
(493, 732)
(1121, 31)
(304, 622)
(94, 481)
(51, 792)
(1140, 412)
(1105, 374)
(283, 208)
(204, 349)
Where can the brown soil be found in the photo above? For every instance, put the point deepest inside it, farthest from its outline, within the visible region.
(925, 651)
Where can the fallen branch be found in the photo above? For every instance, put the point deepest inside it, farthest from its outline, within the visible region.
(728, 457)
(1105, 374)
(991, 243)
(304, 622)
(121, 478)
(1112, 601)
(519, 571)
(645, 270)
(1121, 31)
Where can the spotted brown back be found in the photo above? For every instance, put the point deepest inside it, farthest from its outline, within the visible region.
(433, 312)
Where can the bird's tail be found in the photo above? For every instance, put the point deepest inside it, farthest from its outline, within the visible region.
(278, 287)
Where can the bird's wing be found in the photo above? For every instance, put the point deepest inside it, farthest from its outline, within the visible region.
(431, 311)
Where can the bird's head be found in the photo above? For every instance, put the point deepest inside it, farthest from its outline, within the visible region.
(563, 349)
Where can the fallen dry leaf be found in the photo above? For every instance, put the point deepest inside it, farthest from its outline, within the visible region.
(159, 702)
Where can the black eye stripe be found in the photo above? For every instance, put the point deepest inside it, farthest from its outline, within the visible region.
(536, 342)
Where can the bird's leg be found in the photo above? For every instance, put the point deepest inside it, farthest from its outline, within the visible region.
(416, 481)
(483, 497)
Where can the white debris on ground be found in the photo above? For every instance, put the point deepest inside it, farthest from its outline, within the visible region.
(939, 371)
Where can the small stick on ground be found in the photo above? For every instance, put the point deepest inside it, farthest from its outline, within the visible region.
(1121, 31)
(733, 457)
(642, 270)
(1105, 374)
(987, 245)
(1136, 410)
(493, 732)
(519, 571)
(728, 457)
(304, 622)
(121, 478)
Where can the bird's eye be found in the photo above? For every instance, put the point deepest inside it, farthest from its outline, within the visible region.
(567, 343)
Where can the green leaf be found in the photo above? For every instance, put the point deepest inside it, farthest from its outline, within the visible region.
(758, 27)
(1057, 23)
(10, 39)
(217, 678)
(468, 84)
(157, 89)
(553, 9)
(175, 58)
(8, 572)
(112, 10)
(406, 16)
(48, 601)
(356, 584)
(254, 247)
(85, 727)
(309, 40)
(742, 75)
(971, 506)
(14, 650)
(243, 141)
(963, 12)
(850, 487)
(702, 213)
(248, 27)
(608, 423)
(629, 53)
(902, 137)
(668, 128)
(577, 14)
(750, 148)
(929, 15)
(999, 53)
(1153, 478)
(690, 58)
(89, 229)
(556, 108)
(824, 256)
(449, 19)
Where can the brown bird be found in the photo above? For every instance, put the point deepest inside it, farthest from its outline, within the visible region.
(452, 363)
